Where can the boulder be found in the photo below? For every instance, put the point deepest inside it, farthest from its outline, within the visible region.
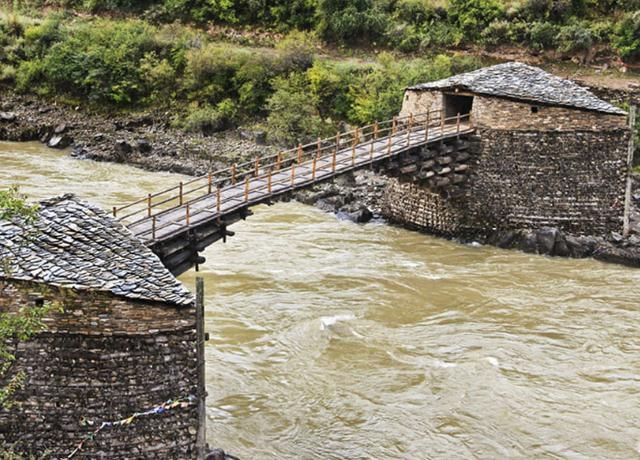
(123, 147)
(361, 216)
(8, 116)
(528, 243)
(59, 129)
(144, 146)
(59, 141)
(546, 240)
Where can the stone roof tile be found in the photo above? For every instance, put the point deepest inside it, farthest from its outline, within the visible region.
(520, 81)
(75, 244)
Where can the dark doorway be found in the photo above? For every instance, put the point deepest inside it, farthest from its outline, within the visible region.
(455, 104)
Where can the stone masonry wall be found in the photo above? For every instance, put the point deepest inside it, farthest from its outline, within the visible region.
(501, 113)
(574, 181)
(103, 358)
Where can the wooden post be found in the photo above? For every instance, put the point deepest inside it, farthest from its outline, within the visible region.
(410, 121)
(181, 187)
(299, 153)
(233, 174)
(371, 150)
(375, 130)
(278, 161)
(319, 148)
(153, 228)
(115, 211)
(218, 199)
(149, 205)
(202, 393)
(293, 174)
(333, 161)
(389, 146)
(627, 195)
(394, 125)
(356, 136)
(313, 169)
(353, 155)
(269, 182)
(257, 171)
(458, 124)
(188, 215)
(209, 183)
(426, 128)
(409, 136)
(338, 141)
(246, 188)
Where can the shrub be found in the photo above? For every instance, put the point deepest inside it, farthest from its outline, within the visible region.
(439, 34)
(415, 12)
(626, 38)
(350, 21)
(208, 119)
(472, 16)
(574, 38)
(542, 35)
(503, 32)
(297, 50)
(292, 115)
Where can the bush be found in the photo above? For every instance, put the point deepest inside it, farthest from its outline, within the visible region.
(503, 32)
(542, 36)
(351, 21)
(440, 34)
(472, 16)
(207, 119)
(292, 115)
(416, 12)
(574, 39)
(297, 50)
(626, 38)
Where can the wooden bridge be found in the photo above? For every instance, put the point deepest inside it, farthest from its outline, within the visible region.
(179, 222)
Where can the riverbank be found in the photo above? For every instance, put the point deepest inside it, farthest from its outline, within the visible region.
(148, 141)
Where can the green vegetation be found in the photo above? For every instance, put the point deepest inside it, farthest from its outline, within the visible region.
(27, 322)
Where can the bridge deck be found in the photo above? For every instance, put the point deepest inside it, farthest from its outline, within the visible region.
(266, 184)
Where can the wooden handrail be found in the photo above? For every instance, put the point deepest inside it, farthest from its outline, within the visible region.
(261, 166)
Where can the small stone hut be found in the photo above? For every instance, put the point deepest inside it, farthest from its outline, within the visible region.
(124, 343)
(546, 153)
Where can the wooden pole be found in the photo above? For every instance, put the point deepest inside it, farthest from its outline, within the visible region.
(257, 171)
(115, 211)
(458, 124)
(409, 136)
(210, 183)
(389, 146)
(278, 161)
(394, 125)
(426, 128)
(353, 154)
(218, 199)
(149, 205)
(338, 141)
(201, 441)
(375, 130)
(181, 187)
(269, 182)
(319, 148)
(188, 215)
(299, 153)
(246, 189)
(410, 121)
(293, 174)
(313, 169)
(153, 228)
(233, 173)
(333, 161)
(371, 150)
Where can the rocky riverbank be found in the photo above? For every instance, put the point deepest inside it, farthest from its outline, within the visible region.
(148, 141)
(144, 140)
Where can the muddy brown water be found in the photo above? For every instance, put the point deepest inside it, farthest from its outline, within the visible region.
(332, 340)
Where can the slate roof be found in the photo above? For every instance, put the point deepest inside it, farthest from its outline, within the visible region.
(77, 245)
(520, 81)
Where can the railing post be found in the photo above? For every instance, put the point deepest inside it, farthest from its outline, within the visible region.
(188, 215)
(246, 188)
(338, 141)
(458, 124)
(394, 125)
(115, 211)
(426, 128)
(278, 161)
(353, 155)
(269, 182)
(299, 153)
(293, 174)
(319, 149)
(209, 183)
(409, 136)
(371, 150)
(375, 130)
(149, 205)
(333, 160)
(153, 228)
(233, 174)
(218, 199)
(313, 169)
(389, 146)
(181, 187)
(257, 172)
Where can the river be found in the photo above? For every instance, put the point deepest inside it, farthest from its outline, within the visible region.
(334, 340)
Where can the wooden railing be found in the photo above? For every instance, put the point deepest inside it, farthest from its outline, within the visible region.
(318, 156)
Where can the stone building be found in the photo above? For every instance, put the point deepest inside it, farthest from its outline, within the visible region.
(124, 344)
(546, 153)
